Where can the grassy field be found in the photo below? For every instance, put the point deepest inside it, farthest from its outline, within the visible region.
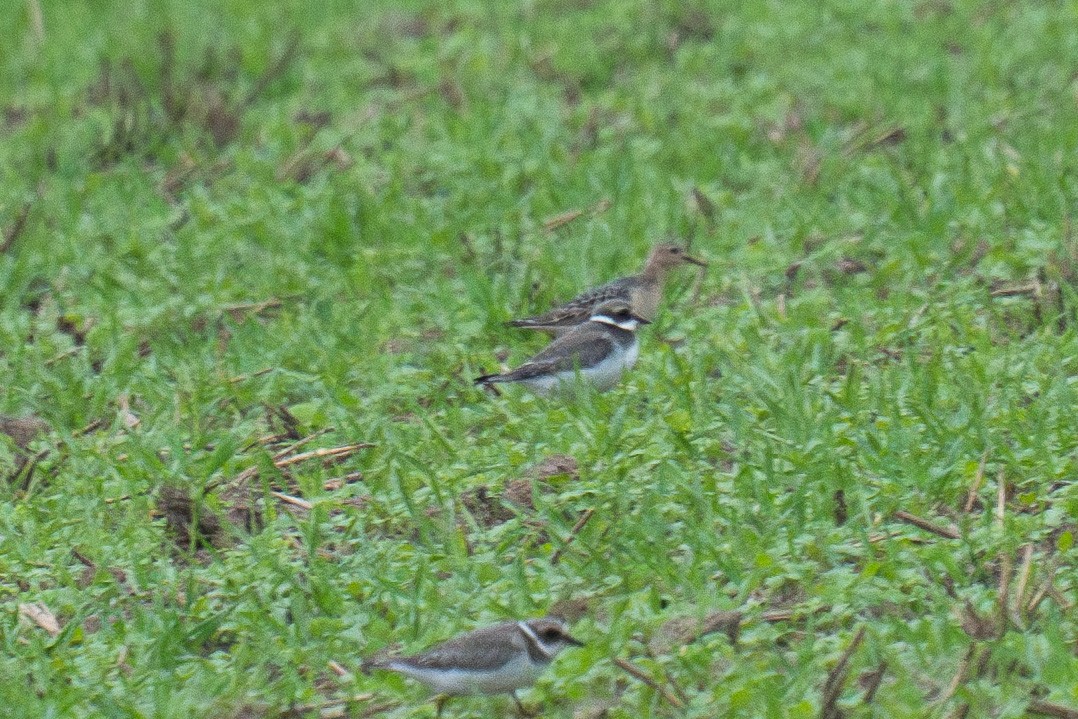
(839, 483)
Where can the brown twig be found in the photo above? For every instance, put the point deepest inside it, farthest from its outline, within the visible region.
(244, 377)
(1001, 499)
(558, 221)
(60, 357)
(243, 309)
(274, 71)
(1033, 288)
(323, 453)
(863, 142)
(873, 683)
(1003, 597)
(979, 626)
(363, 118)
(697, 286)
(337, 708)
(37, 21)
(294, 501)
(959, 675)
(332, 485)
(878, 537)
(83, 559)
(728, 623)
(299, 443)
(266, 440)
(983, 656)
(280, 460)
(129, 418)
(637, 673)
(337, 668)
(40, 615)
(703, 204)
(1038, 597)
(305, 162)
(1051, 709)
(12, 233)
(1024, 571)
(961, 712)
(837, 677)
(947, 532)
(1004, 556)
(600, 207)
(241, 479)
(1064, 603)
(674, 686)
(92, 427)
(584, 517)
(1046, 585)
(978, 479)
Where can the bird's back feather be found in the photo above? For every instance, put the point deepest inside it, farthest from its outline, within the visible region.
(578, 309)
(480, 650)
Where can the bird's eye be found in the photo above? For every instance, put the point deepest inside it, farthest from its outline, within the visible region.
(551, 634)
(675, 250)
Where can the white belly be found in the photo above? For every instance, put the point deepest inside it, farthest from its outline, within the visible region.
(602, 376)
(517, 674)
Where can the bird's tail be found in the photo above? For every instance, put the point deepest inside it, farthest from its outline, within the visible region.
(553, 327)
(487, 382)
(541, 324)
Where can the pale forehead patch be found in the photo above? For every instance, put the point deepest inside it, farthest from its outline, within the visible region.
(548, 622)
(534, 637)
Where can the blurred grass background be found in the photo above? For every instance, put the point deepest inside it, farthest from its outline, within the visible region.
(231, 226)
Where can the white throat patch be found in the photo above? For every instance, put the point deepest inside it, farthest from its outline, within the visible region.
(630, 324)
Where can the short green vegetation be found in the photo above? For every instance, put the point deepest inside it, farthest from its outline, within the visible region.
(234, 227)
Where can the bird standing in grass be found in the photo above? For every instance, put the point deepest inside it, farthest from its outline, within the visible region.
(494, 660)
(643, 292)
(597, 351)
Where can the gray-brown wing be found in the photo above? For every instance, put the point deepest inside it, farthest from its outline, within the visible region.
(578, 309)
(482, 650)
(584, 302)
(582, 347)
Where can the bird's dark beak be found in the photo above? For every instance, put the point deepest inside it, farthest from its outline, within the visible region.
(640, 319)
(572, 640)
(694, 260)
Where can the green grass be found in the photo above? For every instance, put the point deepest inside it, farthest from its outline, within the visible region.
(918, 161)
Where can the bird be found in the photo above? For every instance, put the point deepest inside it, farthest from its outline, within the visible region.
(498, 659)
(642, 291)
(597, 351)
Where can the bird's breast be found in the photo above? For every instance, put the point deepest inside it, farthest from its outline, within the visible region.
(645, 299)
(605, 374)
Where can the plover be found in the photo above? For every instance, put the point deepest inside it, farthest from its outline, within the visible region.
(598, 351)
(494, 660)
(643, 292)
